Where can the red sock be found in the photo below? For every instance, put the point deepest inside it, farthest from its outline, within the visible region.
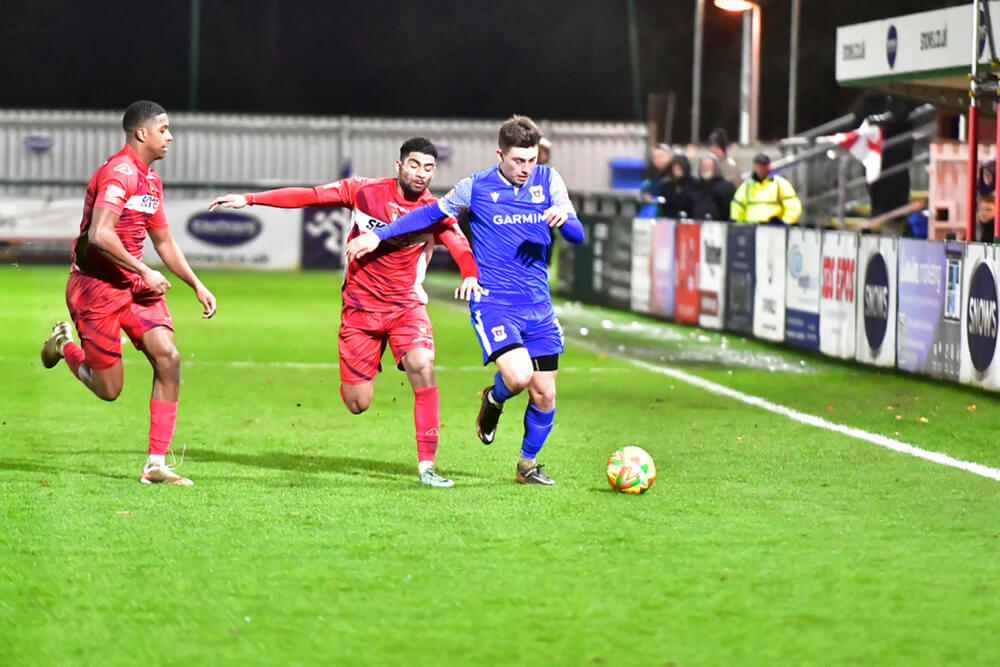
(425, 418)
(73, 354)
(162, 421)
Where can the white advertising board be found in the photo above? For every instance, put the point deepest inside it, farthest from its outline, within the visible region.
(876, 300)
(904, 45)
(258, 237)
(837, 311)
(979, 364)
(712, 275)
(769, 297)
(642, 278)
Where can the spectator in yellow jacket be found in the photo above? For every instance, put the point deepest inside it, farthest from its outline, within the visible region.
(765, 197)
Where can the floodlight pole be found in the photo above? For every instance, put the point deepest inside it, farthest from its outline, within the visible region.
(750, 76)
(972, 136)
(793, 65)
(699, 32)
(633, 48)
(193, 54)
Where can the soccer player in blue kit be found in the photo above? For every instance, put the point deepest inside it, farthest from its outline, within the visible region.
(511, 210)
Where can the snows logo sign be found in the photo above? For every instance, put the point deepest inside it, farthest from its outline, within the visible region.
(892, 46)
(981, 325)
(876, 301)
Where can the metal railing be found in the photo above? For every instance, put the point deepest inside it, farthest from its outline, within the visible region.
(829, 181)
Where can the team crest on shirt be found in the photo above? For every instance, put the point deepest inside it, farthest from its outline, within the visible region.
(537, 196)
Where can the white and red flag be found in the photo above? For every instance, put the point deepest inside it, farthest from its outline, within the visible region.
(865, 144)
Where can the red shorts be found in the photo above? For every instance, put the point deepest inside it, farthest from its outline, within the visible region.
(101, 311)
(364, 335)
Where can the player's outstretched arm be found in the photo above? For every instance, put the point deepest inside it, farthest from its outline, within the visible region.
(280, 198)
(102, 237)
(173, 257)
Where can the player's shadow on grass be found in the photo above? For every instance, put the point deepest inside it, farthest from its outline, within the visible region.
(347, 465)
(35, 468)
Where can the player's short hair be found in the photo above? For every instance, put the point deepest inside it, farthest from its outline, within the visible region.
(139, 113)
(417, 145)
(519, 132)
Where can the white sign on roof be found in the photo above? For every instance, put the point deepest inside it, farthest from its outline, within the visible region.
(928, 43)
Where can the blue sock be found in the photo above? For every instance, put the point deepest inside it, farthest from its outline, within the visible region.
(537, 425)
(500, 391)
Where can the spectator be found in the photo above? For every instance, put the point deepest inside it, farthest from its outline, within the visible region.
(984, 220)
(765, 197)
(544, 150)
(985, 201)
(718, 145)
(714, 193)
(649, 191)
(678, 190)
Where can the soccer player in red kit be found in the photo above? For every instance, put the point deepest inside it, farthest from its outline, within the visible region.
(383, 301)
(110, 289)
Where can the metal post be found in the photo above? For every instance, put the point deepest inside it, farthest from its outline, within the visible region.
(842, 191)
(996, 181)
(970, 173)
(193, 54)
(755, 73)
(793, 65)
(745, 81)
(973, 137)
(699, 32)
(633, 46)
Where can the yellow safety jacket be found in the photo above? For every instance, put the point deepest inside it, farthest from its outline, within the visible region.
(760, 201)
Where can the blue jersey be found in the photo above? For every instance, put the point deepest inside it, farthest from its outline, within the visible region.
(510, 239)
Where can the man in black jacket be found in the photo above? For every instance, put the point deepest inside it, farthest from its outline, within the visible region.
(713, 193)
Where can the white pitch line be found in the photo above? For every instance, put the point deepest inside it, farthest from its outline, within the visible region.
(819, 422)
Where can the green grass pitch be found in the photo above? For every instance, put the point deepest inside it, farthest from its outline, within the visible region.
(308, 539)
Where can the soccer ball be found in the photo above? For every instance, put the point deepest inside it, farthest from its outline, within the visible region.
(631, 470)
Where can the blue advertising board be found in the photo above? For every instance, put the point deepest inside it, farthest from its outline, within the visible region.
(740, 279)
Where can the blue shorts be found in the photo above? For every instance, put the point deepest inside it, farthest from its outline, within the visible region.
(502, 327)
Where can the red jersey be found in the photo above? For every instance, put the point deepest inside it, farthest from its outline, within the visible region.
(391, 277)
(126, 186)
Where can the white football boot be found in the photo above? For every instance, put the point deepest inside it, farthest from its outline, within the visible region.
(52, 350)
(161, 473)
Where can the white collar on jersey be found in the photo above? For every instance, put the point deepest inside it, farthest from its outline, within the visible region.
(504, 179)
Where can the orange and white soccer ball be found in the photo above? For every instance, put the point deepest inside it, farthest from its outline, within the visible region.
(631, 470)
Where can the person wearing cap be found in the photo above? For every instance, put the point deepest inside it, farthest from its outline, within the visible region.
(765, 196)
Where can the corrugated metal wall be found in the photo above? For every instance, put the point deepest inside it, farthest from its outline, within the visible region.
(218, 149)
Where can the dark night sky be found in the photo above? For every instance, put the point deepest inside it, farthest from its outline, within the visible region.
(553, 59)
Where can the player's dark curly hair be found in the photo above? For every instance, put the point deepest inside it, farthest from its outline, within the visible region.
(417, 145)
(520, 132)
(139, 113)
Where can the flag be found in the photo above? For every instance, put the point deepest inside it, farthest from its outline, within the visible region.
(865, 144)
